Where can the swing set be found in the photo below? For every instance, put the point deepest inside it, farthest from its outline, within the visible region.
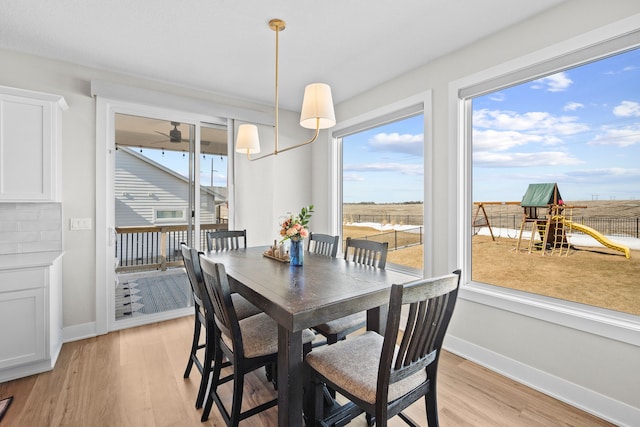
(483, 221)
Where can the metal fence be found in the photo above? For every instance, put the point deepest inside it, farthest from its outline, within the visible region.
(627, 227)
(397, 238)
(384, 219)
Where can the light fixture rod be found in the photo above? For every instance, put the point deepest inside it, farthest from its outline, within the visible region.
(277, 25)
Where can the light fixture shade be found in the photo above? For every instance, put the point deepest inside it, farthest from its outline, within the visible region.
(247, 141)
(317, 104)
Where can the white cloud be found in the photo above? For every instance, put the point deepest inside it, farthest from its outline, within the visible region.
(627, 109)
(534, 122)
(352, 177)
(520, 160)
(620, 137)
(398, 143)
(572, 106)
(403, 168)
(497, 97)
(558, 82)
(501, 140)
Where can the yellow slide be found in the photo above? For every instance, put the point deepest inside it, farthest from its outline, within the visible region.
(599, 237)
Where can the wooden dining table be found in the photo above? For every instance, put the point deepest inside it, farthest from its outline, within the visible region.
(321, 290)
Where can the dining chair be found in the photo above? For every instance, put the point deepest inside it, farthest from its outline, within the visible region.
(204, 319)
(376, 375)
(226, 240)
(248, 344)
(323, 244)
(367, 252)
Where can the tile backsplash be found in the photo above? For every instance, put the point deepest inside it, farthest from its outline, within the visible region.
(30, 227)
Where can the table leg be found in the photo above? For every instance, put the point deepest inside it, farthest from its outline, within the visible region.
(377, 319)
(290, 378)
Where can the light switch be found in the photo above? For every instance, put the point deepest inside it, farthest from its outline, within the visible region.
(80, 224)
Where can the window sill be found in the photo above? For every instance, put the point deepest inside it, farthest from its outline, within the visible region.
(606, 323)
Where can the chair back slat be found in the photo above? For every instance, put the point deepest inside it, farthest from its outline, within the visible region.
(217, 285)
(323, 244)
(226, 240)
(367, 252)
(194, 273)
(431, 303)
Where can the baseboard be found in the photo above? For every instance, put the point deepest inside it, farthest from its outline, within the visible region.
(79, 332)
(587, 400)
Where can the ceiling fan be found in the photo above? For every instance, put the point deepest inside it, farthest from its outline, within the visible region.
(174, 135)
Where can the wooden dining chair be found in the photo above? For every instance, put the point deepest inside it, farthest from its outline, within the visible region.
(204, 319)
(367, 252)
(226, 240)
(247, 344)
(376, 375)
(323, 244)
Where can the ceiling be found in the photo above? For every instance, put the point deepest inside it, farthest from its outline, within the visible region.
(143, 132)
(226, 46)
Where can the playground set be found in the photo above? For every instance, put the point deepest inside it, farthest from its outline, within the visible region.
(548, 230)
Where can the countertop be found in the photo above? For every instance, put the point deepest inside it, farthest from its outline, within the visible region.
(30, 259)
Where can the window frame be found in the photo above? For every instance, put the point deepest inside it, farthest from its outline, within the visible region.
(415, 105)
(598, 44)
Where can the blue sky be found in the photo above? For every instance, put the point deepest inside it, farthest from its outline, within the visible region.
(384, 164)
(579, 128)
(180, 163)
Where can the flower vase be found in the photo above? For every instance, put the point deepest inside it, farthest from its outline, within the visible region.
(296, 252)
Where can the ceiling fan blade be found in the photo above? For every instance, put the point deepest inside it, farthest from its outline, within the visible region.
(163, 134)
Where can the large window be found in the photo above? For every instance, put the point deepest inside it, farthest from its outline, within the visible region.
(556, 184)
(383, 187)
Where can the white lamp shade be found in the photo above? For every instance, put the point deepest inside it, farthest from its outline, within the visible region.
(247, 141)
(317, 107)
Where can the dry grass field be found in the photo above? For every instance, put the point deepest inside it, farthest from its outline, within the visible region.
(588, 275)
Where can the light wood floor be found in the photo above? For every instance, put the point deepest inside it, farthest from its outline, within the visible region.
(134, 378)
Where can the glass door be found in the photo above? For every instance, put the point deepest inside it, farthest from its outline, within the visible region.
(157, 207)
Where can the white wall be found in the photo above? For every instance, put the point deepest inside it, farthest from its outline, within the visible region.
(588, 370)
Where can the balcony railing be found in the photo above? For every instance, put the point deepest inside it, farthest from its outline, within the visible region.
(154, 247)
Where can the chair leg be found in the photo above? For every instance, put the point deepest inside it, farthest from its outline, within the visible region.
(207, 369)
(431, 402)
(213, 388)
(236, 402)
(316, 401)
(194, 346)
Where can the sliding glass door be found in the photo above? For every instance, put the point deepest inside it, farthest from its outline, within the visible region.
(169, 182)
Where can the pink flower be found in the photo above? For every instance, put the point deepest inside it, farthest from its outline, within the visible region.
(304, 233)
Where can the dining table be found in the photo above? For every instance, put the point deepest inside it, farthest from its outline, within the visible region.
(300, 297)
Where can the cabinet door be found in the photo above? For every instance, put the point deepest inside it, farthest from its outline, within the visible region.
(22, 335)
(25, 149)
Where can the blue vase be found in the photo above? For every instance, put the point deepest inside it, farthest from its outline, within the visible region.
(296, 252)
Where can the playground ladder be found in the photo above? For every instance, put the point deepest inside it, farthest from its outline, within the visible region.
(560, 240)
(538, 233)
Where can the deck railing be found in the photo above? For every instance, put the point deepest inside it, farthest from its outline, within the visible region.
(140, 248)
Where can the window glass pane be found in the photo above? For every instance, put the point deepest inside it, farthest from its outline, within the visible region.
(556, 185)
(169, 214)
(382, 188)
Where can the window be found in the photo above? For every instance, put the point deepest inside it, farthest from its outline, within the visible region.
(591, 47)
(383, 184)
(169, 215)
(556, 187)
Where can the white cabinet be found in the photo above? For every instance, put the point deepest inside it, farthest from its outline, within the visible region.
(30, 149)
(30, 314)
